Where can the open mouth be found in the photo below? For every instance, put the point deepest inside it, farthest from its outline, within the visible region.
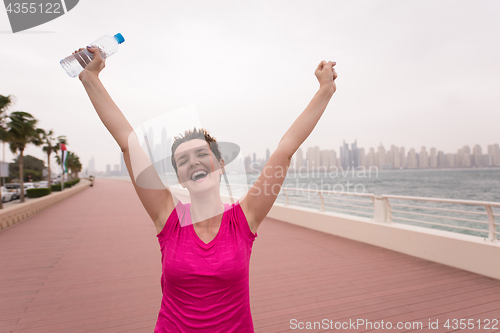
(199, 175)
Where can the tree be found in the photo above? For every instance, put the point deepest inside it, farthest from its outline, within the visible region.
(32, 166)
(48, 147)
(74, 165)
(21, 132)
(61, 139)
(5, 102)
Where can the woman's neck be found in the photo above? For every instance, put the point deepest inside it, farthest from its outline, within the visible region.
(207, 208)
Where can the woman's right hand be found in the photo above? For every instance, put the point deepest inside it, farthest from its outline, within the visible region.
(326, 75)
(95, 66)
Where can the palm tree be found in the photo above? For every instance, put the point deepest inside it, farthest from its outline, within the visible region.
(61, 140)
(74, 165)
(5, 101)
(21, 132)
(48, 147)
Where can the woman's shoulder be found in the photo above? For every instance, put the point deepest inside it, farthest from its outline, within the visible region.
(176, 217)
(235, 209)
(238, 218)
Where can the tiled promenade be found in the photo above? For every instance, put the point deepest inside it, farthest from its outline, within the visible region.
(92, 264)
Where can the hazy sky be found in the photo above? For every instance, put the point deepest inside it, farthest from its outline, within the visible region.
(411, 73)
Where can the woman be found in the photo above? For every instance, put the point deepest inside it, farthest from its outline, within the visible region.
(206, 245)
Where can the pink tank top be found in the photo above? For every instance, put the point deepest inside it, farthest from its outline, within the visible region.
(205, 286)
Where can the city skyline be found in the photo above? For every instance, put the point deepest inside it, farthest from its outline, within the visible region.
(382, 158)
(396, 157)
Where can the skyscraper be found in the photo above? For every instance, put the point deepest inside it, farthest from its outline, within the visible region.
(476, 154)
(313, 158)
(433, 159)
(494, 152)
(450, 160)
(371, 158)
(362, 158)
(248, 164)
(349, 158)
(412, 159)
(485, 161)
(354, 154)
(327, 159)
(423, 159)
(466, 157)
(382, 156)
(463, 157)
(402, 157)
(345, 156)
(441, 159)
(395, 157)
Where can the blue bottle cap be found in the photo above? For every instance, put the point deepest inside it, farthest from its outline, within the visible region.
(119, 38)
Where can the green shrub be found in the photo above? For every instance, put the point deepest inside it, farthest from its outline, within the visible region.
(37, 192)
(73, 182)
(55, 188)
(67, 184)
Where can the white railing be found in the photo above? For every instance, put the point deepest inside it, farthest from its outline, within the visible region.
(383, 209)
(487, 206)
(321, 200)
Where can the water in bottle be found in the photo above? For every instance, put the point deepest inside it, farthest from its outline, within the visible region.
(107, 45)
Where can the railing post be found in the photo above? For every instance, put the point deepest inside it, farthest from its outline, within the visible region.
(491, 222)
(322, 209)
(388, 210)
(286, 197)
(380, 209)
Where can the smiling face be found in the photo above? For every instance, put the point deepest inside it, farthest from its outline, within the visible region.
(197, 167)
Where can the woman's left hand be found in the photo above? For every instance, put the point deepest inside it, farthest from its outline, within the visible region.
(326, 75)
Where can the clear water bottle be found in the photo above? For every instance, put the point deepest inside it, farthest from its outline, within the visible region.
(107, 45)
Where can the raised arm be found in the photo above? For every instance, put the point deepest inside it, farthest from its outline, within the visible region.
(156, 199)
(261, 197)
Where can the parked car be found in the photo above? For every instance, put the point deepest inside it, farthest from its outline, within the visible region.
(6, 194)
(14, 188)
(43, 183)
(29, 185)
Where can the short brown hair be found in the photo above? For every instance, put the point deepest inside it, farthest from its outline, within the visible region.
(195, 134)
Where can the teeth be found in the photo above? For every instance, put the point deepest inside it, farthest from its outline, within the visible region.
(197, 173)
